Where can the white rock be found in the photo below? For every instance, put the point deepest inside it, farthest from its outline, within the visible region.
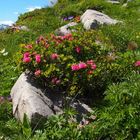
(65, 29)
(24, 28)
(113, 1)
(91, 19)
(28, 99)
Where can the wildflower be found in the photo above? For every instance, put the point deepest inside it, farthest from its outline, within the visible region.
(27, 54)
(47, 46)
(41, 38)
(77, 19)
(93, 66)
(65, 19)
(82, 65)
(38, 58)
(54, 56)
(137, 63)
(56, 81)
(90, 62)
(37, 41)
(70, 17)
(37, 72)
(26, 59)
(90, 72)
(29, 47)
(78, 49)
(75, 67)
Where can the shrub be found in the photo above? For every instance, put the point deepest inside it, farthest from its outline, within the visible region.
(119, 117)
(82, 62)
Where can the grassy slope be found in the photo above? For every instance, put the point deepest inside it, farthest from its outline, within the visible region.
(46, 20)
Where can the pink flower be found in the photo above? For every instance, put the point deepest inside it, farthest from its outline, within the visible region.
(29, 47)
(37, 72)
(38, 58)
(56, 81)
(26, 59)
(27, 54)
(75, 67)
(90, 72)
(41, 38)
(82, 65)
(90, 62)
(137, 63)
(93, 66)
(54, 56)
(78, 49)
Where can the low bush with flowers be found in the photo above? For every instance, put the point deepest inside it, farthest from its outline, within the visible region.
(82, 62)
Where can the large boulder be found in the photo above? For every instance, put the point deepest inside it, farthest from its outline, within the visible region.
(91, 19)
(64, 30)
(38, 104)
(31, 100)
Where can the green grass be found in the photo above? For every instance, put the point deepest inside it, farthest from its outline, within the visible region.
(47, 20)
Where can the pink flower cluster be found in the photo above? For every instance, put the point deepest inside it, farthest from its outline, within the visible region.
(59, 39)
(78, 49)
(38, 58)
(76, 67)
(29, 46)
(91, 64)
(56, 81)
(54, 56)
(26, 57)
(137, 63)
(37, 73)
(82, 65)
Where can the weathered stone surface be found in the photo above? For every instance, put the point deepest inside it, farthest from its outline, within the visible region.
(29, 99)
(24, 28)
(64, 30)
(81, 108)
(113, 1)
(91, 19)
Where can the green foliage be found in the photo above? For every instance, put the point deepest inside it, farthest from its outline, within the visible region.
(119, 117)
(114, 64)
(69, 62)
(26, 128)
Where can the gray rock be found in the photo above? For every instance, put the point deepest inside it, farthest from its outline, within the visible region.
(113, 1)
(29, 99)
(81, 108)
(64, 30)
(91, 19)
(24, 28)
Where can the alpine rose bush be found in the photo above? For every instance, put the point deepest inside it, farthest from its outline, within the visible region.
(71, 64)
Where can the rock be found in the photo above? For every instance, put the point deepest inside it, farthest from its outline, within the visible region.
(81, 108)
(64, 30)
(20, 28)
(91, 19)
(29, 99)
(24, 28)
(113, 1)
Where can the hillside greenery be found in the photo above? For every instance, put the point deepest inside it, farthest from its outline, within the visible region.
(116, 83)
